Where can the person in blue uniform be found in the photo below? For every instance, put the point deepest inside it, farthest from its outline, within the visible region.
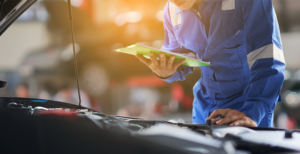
(241, 40)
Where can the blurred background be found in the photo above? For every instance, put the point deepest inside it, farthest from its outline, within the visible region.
(37, 60)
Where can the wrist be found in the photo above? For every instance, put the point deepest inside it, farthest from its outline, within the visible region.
(162, 77)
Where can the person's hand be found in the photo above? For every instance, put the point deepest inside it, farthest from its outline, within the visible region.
(162, 68)
(232, 118)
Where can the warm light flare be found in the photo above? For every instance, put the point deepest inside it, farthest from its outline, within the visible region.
(76, 3)
(128, 17)
(133, 16)
(160, 15)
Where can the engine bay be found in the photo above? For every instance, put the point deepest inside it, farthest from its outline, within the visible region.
(65, 126)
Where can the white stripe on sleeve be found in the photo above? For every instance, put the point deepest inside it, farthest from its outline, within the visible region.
(267, 51)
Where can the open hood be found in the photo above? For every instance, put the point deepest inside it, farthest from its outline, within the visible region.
(10, 10)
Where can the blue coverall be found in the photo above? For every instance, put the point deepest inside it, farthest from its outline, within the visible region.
(241, 40)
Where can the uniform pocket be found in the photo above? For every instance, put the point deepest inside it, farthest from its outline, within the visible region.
(196, 47)
(222, 90)
(236, 61)
(177, 27)
(235, 55)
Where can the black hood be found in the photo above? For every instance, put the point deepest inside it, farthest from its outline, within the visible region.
(10, 10)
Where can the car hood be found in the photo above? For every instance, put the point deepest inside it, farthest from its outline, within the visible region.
(10, 10)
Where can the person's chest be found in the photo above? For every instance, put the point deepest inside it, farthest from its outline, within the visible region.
(216, 24)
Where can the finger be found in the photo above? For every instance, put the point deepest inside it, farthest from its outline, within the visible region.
(176, 65)
(154, 59)
(171, 61)
(227, 120)
(219, 112)
(215, 120)
(222, 116)
(238, 123)
(230, 117)
(162, 60)
(246, 122)
(143, 59)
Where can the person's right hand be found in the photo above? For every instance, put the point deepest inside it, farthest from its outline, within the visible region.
(163, 68)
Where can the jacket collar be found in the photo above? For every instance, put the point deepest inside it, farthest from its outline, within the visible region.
(179, 11)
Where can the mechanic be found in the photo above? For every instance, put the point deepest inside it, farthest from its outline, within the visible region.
(241, 40)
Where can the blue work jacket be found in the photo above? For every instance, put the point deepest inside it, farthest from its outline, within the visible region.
(241, 40)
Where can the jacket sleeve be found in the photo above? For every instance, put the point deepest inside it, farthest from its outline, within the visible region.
(172, 45)
(265, 58)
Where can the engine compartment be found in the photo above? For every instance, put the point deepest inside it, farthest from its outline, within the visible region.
(58, 127)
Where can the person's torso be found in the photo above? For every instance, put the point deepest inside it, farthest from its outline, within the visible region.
(217, 35)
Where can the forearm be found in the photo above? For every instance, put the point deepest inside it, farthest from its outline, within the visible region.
(263, 91)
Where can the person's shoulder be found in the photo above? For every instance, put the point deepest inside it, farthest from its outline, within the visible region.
(167, 11)
(254, 4)
(170, 8)
(249, 3)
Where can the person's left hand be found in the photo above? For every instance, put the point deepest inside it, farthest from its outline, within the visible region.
(232, 118)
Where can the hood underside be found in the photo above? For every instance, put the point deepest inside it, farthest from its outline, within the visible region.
(10, 10)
